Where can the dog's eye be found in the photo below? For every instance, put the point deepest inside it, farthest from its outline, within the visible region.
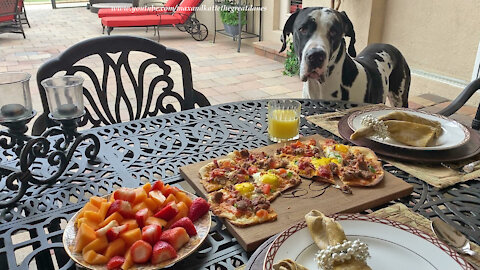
(333, 32)
(302, 30)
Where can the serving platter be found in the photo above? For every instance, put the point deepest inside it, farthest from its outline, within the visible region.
(453, 134)
(293, 204)
(202, 226)
(392, 245)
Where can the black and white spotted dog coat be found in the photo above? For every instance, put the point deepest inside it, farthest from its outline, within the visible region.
(329, 73)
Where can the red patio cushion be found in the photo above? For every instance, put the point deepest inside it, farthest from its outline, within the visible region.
(186, 8)
(105, 12)
(7, 18)
(144, 20)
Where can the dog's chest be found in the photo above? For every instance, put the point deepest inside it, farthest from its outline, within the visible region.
(347, 83)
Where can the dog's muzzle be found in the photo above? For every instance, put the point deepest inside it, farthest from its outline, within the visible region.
(315, 65)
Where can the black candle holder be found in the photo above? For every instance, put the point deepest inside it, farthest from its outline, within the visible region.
(66, 140)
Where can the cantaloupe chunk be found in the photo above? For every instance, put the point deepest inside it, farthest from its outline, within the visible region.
(151, 204)
(102, 211)
(115, 216)
(147, 187)
(92, 224)
(94, 258)
(182, 212)
(183, 197)
(115, 248)
(97, 245)
(132, 223)
(84, 236)
(131, 236)
(88, 207)
(157, 221)
(128, 260)
(93, 216)
(139, 206)
(97, 201)
(170, 198)
(141, 195)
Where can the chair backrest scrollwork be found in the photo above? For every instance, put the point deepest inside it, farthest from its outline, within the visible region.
(121, 82)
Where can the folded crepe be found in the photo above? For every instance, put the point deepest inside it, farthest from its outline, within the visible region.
(327, 232)
(403, 116)
(406, 128)
(288, 264)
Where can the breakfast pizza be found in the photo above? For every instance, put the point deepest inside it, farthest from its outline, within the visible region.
(358, 166)
(245, 182)
(219, 173)
(250, 159)
(242, 205)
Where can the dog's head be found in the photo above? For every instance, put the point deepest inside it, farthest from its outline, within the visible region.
(317, 34)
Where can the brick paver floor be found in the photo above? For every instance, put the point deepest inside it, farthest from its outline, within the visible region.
(219, 72)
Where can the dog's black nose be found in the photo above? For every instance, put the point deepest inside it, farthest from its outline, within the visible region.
(316, 57)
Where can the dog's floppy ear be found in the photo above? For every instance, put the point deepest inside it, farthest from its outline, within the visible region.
(288, 29)
(349, 32)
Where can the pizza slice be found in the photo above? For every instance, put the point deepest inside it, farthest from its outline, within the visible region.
(319, 169)
(358, 166)
(220, 173)
(274, 181)
(301, 149)
(259, 160)
(241, 205)
(361, 167)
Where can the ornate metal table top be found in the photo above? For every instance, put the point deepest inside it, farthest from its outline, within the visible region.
(143, 150)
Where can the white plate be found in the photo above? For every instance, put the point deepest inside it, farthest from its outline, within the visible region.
(454, 134)
(392, 245)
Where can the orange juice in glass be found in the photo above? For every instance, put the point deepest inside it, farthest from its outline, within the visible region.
(283, 120)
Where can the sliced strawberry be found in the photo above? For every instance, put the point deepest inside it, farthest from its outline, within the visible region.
(198, 208)
(151, 233)
(115, 263)
(157, 196)
(142, 215)
(177, 237)
(102, 231)
(124, 194)
(187, 224)
(141, 251)
(158, 185)
(113, 233)
(162, 251)
(124, 208)
(167, 212)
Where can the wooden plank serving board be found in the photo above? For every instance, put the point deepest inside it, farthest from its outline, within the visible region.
(292, 205)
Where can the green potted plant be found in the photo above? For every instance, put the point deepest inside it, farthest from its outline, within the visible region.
(229, 15)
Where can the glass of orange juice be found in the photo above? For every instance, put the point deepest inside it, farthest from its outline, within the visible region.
(283, 120)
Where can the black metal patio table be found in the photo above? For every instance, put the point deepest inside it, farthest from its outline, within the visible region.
(143, 150)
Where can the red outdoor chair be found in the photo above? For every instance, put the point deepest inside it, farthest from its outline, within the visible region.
(10, 21)
(183, 18)
(168, 7)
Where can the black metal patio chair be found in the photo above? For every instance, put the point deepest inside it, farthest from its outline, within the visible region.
(461, 99)
(10, 21)
(148, 97)
(23, 13)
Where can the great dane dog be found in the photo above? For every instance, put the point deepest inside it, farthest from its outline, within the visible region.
(329, 73)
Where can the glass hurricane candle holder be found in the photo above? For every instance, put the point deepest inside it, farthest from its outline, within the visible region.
(65, 97)
(16, 102)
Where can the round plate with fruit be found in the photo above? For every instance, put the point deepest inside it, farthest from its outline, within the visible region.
(149, 227)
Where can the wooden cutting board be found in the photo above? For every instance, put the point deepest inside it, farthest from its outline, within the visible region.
(292, 205)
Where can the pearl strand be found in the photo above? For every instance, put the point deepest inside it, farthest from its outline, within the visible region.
(341, 253)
